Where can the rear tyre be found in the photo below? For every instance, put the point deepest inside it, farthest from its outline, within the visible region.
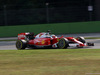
(21, 44)
(63, 43)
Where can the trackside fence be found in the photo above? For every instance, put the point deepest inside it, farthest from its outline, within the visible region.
(56, 28)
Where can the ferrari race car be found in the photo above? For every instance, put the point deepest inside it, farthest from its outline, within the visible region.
(48, 40)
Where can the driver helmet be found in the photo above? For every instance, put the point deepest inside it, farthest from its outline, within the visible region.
(53, 36)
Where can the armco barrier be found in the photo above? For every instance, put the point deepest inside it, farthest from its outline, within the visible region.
(57, 28)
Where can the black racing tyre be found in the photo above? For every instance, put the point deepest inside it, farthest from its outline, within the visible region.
(81, 39)
(63, 43)
(21, 44)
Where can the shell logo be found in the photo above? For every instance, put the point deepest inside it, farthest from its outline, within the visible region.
(43, 42)
(40, 35)
(57, 39)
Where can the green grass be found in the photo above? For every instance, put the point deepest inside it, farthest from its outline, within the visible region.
(50, 62)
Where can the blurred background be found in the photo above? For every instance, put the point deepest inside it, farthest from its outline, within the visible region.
(23, 12)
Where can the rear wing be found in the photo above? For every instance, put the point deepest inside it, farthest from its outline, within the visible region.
(26, 36)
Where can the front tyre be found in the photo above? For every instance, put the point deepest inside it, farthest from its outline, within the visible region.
(63, 43)
(21, 44)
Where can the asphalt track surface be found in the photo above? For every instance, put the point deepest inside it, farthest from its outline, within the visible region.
(10, 45)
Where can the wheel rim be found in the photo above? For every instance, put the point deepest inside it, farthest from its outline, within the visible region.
(19, 44)
(61, 43)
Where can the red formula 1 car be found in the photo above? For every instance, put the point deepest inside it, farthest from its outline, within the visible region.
(48, 40)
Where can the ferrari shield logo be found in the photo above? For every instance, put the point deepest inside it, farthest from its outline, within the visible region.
(43, 42)
(57, 39)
